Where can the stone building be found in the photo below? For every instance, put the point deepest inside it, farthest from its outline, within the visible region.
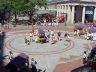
(74, 10)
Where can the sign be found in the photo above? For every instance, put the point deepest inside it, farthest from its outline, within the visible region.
(89, 12)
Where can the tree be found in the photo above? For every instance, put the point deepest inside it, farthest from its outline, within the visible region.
(4, 9)
(22, 5)
(32, 5)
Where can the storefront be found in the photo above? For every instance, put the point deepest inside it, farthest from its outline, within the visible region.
(76, 11)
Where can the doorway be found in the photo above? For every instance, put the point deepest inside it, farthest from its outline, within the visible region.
(89, 13)
(78, 13)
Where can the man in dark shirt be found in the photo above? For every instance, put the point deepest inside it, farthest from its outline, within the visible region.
(59, 34)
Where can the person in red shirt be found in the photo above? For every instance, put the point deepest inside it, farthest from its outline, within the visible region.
(32, 30)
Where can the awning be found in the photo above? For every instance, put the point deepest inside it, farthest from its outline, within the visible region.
(92, 30)
(60, 17)
(78, 26)
(41, 31)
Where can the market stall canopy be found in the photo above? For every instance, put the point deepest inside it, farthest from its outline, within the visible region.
(78, 26)
(60, 17)
(92, 30)
(18, 61)
(89, 24)
(41, 31)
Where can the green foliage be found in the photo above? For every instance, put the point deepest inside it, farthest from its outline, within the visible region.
(22, 4)
(5, 4)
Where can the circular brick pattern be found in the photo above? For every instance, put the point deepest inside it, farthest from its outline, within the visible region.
(15, 42)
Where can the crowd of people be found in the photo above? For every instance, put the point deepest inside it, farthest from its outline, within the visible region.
(45, 36)
(88, 30)
(52, 37)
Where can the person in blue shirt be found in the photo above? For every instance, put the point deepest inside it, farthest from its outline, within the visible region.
(33, 65)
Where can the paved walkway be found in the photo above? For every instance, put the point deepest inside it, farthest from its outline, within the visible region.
(48, 56)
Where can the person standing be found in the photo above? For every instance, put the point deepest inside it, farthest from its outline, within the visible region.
(33, 30)
(78, 32)
(51, 36)
(33, 33)
(10, 55)
(84, 57)
(48, 35)
(31, 36)
(44, 22)
(33, 65)
(59, 34)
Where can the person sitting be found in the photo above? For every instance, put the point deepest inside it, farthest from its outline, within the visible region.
(27, 40)
(42, 38)
(67, 36)
(36, 38)
(53, 39)
(90, 36)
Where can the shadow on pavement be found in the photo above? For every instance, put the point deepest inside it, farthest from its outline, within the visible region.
(2, 36)
(83, 69)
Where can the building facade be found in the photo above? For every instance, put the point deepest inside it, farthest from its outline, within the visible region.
(75, 10)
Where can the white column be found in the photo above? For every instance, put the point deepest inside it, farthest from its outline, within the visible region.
(94, 14)
(68, 14)
(57, 10)
(72, 14)
(57, 14)
(62, 8)
(65, 9)
(83, 15)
